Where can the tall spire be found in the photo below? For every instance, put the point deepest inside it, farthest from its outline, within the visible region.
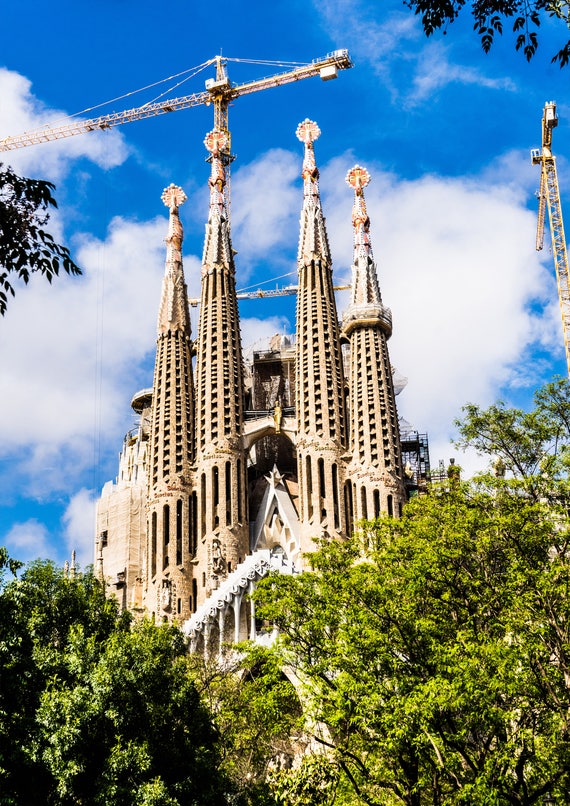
(217, 244)
(374, 443)
(313, 240)
(320, 383)
(365, 290)
(366, 301)
(167, 588)
(222, 533)
(173, 312)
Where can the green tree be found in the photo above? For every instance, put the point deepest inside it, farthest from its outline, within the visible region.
(532, 447)
(435, 649)
(490, 17)
(127, 726)
(94, 710)
(37, 614)
(26, 247)
(257, 715)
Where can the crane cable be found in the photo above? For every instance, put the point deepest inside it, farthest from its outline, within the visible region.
(188, 74)
(193, 71)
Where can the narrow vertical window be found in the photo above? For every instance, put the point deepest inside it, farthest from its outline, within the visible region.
(390, 506)
(165, 534)
(322, 478)
(363, 505)
(228, 493)
(215, 496)
(215, 486)
(322, 491)
(309, 488)
(193, 531)
(179, 533)
(335, 496)
(203, 505)
(376, 496)
(153, 544)
(239, 505)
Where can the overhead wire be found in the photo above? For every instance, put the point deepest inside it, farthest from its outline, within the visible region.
(192, 71)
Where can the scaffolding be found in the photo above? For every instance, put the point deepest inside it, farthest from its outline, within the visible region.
(415, 459)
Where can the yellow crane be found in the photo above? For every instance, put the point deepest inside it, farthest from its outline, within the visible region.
(261, 293)
(219, 92)
(549, 196)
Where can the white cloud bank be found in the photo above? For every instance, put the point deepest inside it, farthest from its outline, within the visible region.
(71, 354)
(21, 112)
(468, 293)
(28, 540)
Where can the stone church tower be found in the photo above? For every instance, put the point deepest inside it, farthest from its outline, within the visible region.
(235, 467)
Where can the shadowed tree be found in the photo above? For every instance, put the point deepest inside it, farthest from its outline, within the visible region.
(26, 246)
(491, 16)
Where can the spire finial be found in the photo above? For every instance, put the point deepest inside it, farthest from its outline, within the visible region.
(173, 197)
(216, 141)
(358, 178)
(307, 133)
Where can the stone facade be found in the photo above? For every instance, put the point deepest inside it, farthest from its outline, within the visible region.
(251, 460)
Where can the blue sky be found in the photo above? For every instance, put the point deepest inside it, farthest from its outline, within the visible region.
(444, 130)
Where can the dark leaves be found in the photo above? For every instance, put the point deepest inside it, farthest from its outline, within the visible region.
(26, 247)
(489, 17)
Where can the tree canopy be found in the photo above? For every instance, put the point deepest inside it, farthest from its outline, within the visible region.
(94, 709)
(491, 16)
(26, 246)
(430, 656)
(434, 649)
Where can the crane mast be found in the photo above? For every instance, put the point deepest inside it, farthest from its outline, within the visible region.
(549, 196)
(219, 92)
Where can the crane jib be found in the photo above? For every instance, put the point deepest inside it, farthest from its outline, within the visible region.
(220, 93)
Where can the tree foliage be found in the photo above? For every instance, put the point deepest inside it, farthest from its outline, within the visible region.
(127, 721)
(257, 715)
(531, 447)
(94, 710)
(26, 246)
(435, 649)
(490, 16)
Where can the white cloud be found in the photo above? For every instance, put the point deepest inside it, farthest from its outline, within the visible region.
(22, 112)
(73, 351)
(27, 541)
(79, 522)
(396, 49)
(457, 266)
(265, 207)
(434, 71)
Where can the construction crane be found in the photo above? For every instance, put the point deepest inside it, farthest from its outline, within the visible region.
(261, 293)
(219, 92)
(549, 196)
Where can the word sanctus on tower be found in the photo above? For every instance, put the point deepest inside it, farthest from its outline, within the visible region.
(237, 467)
